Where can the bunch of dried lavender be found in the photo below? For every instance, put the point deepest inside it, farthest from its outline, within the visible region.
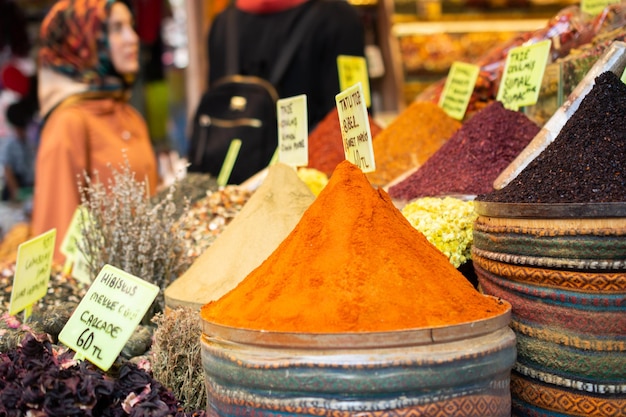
(122, 227)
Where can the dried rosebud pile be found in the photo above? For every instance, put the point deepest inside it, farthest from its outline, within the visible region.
(39, 379)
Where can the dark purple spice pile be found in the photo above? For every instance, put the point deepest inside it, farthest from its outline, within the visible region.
(473, 157)
(586, 162)
(39, 379)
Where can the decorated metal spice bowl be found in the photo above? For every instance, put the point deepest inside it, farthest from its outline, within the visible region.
(563, 269)
(356, 313)
(460, 370)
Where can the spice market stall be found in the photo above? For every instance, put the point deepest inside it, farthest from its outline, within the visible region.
(347, 312)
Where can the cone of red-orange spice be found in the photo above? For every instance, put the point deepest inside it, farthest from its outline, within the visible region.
(352, 264)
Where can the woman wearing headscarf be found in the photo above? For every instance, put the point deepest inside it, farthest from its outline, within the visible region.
(88, 59)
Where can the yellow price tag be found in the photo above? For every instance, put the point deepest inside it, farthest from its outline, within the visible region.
(107, 316)
(352, 70)
(623, 78)
(75, 262)
(80, 269)
(293, 131)
(522, 76)
(32, 272)
(74, 233)
(594, 7)
(458, 89)
(229, 162)
(355, 128)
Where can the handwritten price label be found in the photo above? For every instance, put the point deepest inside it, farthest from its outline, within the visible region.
(74, 234)
(458, 89)
(69, 245)
(355, 128)
(353, 70)
(32, 272)
(293, 131)
(595, 7)
(523, 73)
(107, 316)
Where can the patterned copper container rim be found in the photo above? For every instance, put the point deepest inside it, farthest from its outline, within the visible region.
(547, 262)
(570, 383)
(606, 281)
(409, 337)
(600, 227)
(563, 399)
(550, 211)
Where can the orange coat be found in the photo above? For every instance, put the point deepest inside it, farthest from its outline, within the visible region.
(86, 135)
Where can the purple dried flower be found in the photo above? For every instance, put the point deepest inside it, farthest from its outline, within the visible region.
(131, 379)
(11, 321)
(38, 380)
(10, 398)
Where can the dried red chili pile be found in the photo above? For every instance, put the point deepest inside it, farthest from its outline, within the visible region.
(473, 157)
(326, 143)
(585, 162)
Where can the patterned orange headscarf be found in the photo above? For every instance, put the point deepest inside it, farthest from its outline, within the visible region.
(73, 40)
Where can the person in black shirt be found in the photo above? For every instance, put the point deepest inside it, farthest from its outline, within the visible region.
(265, 25)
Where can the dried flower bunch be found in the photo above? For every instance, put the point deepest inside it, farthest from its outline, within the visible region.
(125, 229)
(41, 379)
(176, 356)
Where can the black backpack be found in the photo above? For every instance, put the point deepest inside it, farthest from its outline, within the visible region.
(240, 107)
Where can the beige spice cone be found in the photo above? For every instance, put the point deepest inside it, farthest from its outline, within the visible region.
(263, 223)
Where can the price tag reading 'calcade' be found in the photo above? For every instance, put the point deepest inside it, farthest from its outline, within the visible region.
(107, 316)
(355, 128)
(293, 131)
(522, 76)
(352, 70)
(32, 272)
(458, 89)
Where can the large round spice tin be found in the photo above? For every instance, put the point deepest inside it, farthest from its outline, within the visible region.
(564, 236)
(565, 277)
(461, 370)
